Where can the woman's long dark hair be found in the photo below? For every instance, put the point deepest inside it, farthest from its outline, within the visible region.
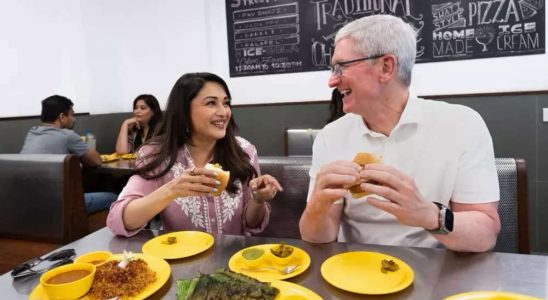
(176, 130)
(152, 102)
(335, 106)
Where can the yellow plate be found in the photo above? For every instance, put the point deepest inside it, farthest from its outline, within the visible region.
(489, 295)
(301, 258)
(360, 272)
(188, 243)
(293, 291)
(129, 156)
(110, 157)
(158, 265)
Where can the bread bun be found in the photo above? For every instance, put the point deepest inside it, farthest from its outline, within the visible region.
(222, 176)
(362, 159)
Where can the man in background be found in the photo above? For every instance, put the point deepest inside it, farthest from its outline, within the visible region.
(55, 136)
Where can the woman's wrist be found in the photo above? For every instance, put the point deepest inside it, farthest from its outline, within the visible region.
(256, 199)
(167, 192)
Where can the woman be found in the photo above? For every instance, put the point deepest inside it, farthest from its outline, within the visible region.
(172, 180)
(138, 129)
(335, 106)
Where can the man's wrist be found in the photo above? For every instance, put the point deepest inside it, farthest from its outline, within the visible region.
(316, 207)
(445, 220)
(433, 219)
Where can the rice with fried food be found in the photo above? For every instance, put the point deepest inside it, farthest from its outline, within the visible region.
(112, 281)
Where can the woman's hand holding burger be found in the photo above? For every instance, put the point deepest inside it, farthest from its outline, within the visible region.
(199, 182)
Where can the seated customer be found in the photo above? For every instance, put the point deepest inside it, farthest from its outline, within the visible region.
(172, 179)
(437, 185)
(138, 129)
(335, 106)
(55, 136)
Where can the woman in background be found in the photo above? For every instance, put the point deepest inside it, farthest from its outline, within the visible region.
(172, 178)
(335, 106)
(138, 129)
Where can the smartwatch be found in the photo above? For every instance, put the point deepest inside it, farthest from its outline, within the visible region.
(445, 220)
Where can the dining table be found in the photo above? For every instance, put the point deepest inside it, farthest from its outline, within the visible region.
(110, 176)
(438, 273)
(119, 166)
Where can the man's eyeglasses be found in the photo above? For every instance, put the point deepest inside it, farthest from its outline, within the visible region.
(338, 68)
(61, 257)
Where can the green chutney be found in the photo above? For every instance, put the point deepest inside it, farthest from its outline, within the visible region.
(252, 253)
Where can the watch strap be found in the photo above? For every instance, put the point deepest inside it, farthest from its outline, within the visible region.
(442, 219)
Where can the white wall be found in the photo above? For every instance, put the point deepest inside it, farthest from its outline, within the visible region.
(99, 53)
(41, 53)
(140, 46)
(103, 53)
(489, 75)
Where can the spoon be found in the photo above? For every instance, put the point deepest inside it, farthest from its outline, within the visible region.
(63, 256)
(287, 270)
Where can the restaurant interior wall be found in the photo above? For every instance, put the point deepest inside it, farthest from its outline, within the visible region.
(100, 53)
(515, 123)
(490, 75)
(103, 53)
(110, 51)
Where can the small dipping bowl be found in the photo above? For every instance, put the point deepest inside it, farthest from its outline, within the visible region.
(69, 281)
(279, 260)
(253, 257)
(96, 258)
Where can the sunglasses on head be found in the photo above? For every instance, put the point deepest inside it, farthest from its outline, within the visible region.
(61, 257)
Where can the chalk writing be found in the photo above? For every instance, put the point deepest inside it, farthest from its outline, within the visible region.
(281, 36)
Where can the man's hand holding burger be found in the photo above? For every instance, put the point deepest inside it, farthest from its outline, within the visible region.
(404, 199)
(332, 182)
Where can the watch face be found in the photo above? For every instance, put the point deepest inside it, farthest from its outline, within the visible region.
(449, 220)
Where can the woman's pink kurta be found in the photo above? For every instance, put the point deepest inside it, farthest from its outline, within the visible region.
(214, 214)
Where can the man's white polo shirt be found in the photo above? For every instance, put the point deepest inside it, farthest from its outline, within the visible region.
(446, 148)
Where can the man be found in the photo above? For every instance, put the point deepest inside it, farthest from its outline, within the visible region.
(56, 136)
(437, 184)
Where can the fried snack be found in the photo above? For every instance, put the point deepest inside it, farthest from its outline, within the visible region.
(222, 176)
(388, 265)
(170, 240)
(362, 159)
(112, 281)
(282, 250)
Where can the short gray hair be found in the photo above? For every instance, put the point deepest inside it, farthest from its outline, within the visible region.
(384, 34)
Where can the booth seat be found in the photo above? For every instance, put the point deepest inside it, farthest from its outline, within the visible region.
(42, 199)
(292, 173)
(298, 142)
(288, 205)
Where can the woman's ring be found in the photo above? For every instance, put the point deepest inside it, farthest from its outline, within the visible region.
(192, 171)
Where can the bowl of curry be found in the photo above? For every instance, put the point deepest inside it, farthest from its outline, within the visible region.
(96, 258)
(69, 281)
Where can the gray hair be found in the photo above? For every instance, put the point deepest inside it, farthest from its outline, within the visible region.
(384, 34)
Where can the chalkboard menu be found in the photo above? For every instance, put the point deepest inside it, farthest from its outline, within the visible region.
(284, 36)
